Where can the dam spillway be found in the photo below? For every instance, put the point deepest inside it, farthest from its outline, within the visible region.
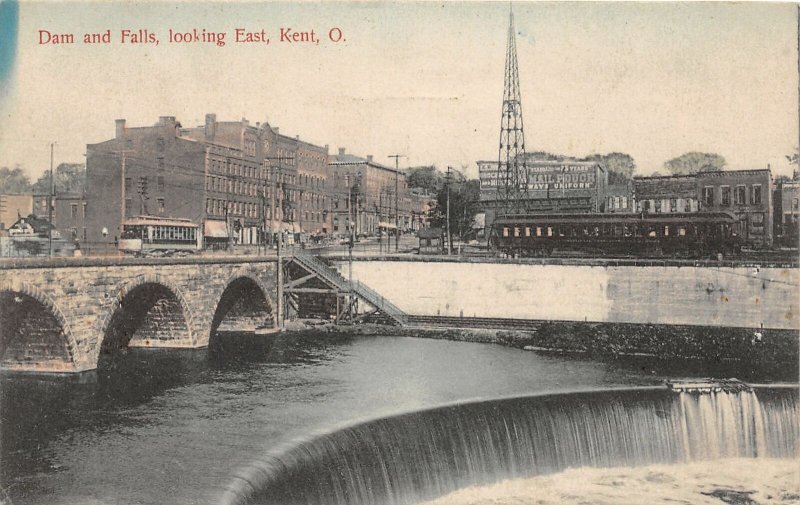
(417, 456)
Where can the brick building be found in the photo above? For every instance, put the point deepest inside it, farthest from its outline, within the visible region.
(228, 177)
(368, 194)
(553, 186)
(786, 215)
(745, 194)
(665, 194)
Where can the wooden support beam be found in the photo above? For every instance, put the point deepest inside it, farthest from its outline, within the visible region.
(311, 290)
(299, 281)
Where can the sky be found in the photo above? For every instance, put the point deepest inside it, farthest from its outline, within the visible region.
(425, 80)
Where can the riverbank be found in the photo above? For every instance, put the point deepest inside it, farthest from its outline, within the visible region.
(734, 348)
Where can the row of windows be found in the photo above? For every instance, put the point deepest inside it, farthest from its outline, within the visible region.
(613, 230)
(617, 202)
(230, 167)
(234, 186)
(739, 195)
(222, 207)
(667, 205)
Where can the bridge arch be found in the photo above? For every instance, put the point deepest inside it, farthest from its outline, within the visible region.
(246, 298)
(49, 345)
(147, 311)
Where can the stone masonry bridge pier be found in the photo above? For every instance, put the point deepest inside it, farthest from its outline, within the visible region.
(59, 315)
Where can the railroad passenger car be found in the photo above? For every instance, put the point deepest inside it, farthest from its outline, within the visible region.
(690, 235)
(154, 235)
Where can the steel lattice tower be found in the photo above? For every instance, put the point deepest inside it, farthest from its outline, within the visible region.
(512, 171)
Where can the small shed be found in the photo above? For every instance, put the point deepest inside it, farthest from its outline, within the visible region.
(430, 240)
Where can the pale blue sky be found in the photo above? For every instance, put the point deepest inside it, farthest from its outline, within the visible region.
(654, 80)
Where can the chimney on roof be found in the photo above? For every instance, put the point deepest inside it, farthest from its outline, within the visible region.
(120, 128)
(277, 130)
(341, 151)
(369, 158)
(211, 126)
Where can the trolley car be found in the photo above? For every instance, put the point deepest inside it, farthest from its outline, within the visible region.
(154, 235)
(689, 235)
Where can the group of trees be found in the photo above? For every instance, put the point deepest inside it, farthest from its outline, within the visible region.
(68, 177)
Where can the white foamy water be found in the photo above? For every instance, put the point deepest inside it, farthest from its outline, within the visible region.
(742, 481)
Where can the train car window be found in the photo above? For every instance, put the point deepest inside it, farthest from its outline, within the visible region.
(538, 231)
(516, 231)
(651, 232)
(596, 231)
(505, 231)
(527, 231)
(549, 231)
(666, 231)
(681, 231)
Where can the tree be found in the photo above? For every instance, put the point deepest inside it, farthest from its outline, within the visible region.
(620, 166)
(464, 195)
(694, 162)
(14, 181)
(427, 178)
(69, 178)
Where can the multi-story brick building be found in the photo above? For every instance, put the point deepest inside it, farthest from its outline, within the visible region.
(367, 194)
(745, 194)
(553, 186)
(786, 214)
(235, 179)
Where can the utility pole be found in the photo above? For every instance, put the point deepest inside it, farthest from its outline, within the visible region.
(449, 237)
(271, 169)
(50, 206)
(396, 193)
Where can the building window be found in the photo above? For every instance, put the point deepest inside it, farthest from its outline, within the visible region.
(84, 210)
(160, 205)
(725, 196)
(128, 207)
(160, 163)
(708, 196)
(741, 195)
(673, 205)
(73, 213)
(795, 203)
(127, 184)
(160, 183)
(755, 194)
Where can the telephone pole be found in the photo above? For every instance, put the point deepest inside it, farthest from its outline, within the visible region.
(396, 193)
(449, 237)
(50, 206)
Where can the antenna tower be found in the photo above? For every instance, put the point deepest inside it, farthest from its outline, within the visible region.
(512, 170)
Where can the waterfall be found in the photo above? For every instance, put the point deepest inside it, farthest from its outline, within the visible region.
(416, 456)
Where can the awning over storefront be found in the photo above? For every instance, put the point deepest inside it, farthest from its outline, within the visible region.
(388, 226)
(215, 229)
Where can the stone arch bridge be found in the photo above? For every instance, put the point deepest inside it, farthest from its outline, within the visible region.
(59, 315)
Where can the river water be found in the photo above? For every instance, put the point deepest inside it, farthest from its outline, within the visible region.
(173, 426)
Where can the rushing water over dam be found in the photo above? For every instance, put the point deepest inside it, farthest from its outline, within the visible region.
(416, 456)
